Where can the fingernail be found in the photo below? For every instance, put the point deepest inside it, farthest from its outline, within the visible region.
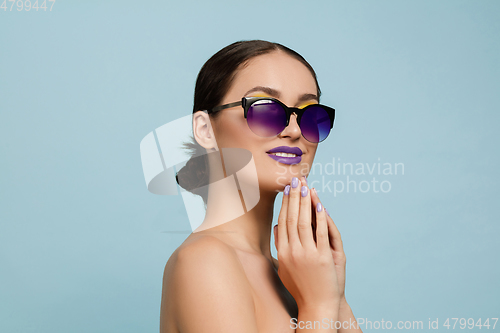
(303, 191)
(327, 212)
(295, 182)
(287, 190)
(319, 207)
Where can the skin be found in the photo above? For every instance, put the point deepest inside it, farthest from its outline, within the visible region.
(223, 278)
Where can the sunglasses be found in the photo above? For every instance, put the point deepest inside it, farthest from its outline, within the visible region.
(268, 117)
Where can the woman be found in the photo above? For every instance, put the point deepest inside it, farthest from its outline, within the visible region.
(223, 278)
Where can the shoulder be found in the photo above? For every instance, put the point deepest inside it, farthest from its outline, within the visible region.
(203, 252)
(204, 279)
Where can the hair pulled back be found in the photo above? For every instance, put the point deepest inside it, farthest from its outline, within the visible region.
(212, 84)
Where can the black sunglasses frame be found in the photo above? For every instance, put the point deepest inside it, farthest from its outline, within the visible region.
(246, 102)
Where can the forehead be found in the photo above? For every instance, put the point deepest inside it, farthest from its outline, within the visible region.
(276, 70)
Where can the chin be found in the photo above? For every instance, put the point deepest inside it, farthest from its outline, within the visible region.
(274, 182)
(274, 176)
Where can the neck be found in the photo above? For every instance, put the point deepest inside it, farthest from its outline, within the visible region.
(227, 220)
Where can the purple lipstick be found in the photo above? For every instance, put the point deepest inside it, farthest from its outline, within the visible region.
(285, 154)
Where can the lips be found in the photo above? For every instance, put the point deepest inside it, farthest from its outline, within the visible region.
(285, 154)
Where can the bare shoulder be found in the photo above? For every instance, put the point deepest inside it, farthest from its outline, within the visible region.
(202, 252)
(205, 288)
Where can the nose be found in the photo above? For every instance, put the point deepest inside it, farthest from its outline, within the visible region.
(292, 131)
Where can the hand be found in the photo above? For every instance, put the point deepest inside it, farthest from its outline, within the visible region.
(336, 247)
(306, 268)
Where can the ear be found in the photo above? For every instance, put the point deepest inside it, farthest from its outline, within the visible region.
(203, 132)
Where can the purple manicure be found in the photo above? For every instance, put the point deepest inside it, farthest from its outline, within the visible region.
(327, 212)
(303, 191)
(287, 190)
(319, 207)
(295, 182)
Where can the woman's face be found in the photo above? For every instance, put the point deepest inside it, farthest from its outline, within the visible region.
(285, 78)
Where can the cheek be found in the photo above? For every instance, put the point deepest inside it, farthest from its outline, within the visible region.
(231, 132)
(235, 133)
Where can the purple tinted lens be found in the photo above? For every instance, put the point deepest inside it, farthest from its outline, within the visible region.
(315, 124)
(266, 118)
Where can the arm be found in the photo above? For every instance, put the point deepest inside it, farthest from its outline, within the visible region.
(325, 318)
(346, 317)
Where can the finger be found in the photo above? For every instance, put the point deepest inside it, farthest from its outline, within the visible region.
(304, 225)
(335, 238)
(322, 240)
(282, 227)
(293, 212)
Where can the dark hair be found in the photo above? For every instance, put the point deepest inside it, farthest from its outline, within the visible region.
(212, 84)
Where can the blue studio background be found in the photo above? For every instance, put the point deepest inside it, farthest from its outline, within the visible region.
(83, 243)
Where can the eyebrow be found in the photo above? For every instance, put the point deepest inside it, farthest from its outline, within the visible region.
(275, 93)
